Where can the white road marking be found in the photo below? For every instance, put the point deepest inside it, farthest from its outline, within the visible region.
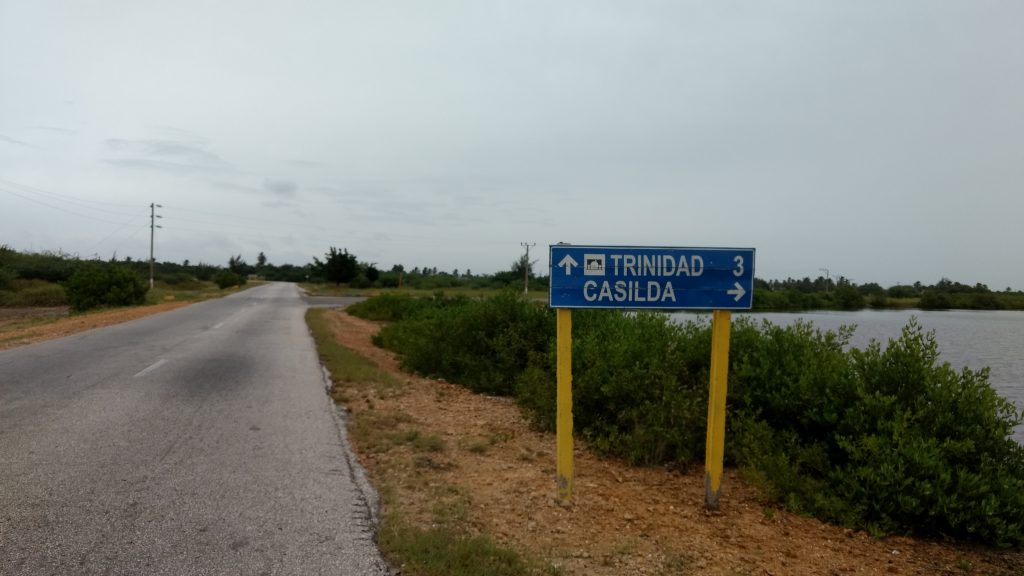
(152, 367)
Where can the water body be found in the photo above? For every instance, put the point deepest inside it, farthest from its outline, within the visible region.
(966, 338)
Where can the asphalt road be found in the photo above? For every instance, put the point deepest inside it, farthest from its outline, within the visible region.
(198, 441)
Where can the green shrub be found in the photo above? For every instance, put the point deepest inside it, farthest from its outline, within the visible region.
(179, 280)
(932, 300)
(204, 272)
(930, 447)
(34, 293)
(6, 278)
(360, 282)
(487, 343)
(640, 385)
(392, 307)
(227, 279)
(47, 266)
(885, 440)
(96, 285)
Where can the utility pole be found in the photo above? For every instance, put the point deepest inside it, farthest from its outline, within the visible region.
(526, 267)
(152, 233)
(826, 271)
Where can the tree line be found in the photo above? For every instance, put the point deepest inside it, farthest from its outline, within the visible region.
(842, 294)
(28, 279)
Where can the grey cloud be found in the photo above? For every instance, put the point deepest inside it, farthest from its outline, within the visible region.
(277, 204)
(10, 140)
(236, 187)
(58, 129)
(282, 189)
(285, 188)
(167, 155)
(354, 189)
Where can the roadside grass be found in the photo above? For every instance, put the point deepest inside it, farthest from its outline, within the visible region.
(191, 292)
(443, 550)
(361, 377)
(444, 547)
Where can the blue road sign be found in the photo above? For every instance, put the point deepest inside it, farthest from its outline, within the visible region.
(651, 277)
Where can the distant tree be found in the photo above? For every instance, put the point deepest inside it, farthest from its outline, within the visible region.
(372, 273)
(934, 300)
(261, 260)
(337, 266)
(522, 265)
(900, 291)
(237, 265)
(849, 298)
(203, 271)
(871, 288)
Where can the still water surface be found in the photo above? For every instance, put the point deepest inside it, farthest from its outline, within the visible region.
(970, 338)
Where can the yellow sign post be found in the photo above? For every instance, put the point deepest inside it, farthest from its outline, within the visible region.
(563, 418)
(648, 278)
(715, 450)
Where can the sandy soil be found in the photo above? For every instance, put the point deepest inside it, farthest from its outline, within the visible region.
(624, 520)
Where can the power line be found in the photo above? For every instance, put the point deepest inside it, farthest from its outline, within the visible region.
(79, 202)
(122, 227)
(222, 224)
(65, 210)
(233, 216)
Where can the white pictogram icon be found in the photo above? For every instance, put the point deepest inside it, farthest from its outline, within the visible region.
(593, 264)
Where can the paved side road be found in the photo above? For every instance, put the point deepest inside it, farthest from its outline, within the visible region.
(199, 441)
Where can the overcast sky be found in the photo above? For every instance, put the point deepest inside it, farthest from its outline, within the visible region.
(881, 140)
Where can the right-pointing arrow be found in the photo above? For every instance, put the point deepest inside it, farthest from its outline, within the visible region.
(738, 291)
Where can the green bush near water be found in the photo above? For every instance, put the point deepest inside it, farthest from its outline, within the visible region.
(482, 344)
(642, 383)
(889, 440)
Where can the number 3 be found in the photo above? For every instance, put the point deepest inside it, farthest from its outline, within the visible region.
(739, 266)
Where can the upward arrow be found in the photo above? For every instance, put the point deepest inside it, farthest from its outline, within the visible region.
(568, 262)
